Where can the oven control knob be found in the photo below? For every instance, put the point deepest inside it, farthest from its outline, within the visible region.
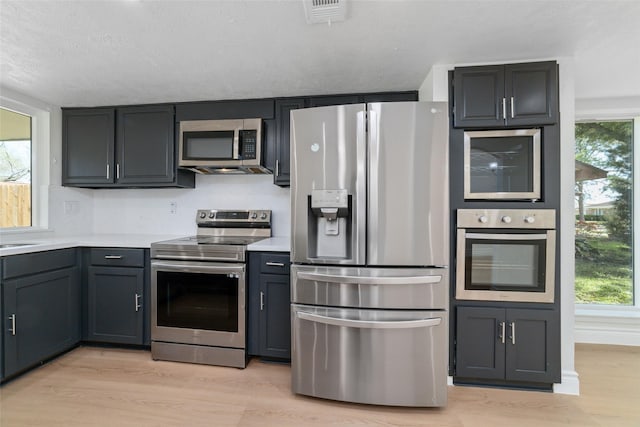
(529, 219)
(203, 215)
(212, 215)
(263, 216)
(483, 219)
(254, 215)
(506, 219)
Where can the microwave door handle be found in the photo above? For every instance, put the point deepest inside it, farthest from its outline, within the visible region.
(236, 143)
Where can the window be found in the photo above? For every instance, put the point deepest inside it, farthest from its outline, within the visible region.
(15, 169)
(605, 202)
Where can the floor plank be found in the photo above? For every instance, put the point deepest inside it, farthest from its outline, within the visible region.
(92, 386)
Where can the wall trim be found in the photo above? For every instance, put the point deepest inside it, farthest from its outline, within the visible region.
(570, 384)
(593, 327)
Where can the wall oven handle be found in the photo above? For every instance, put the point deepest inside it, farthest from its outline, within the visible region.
(483, 236)
(369, 324)
(365, 280)
(197, 267)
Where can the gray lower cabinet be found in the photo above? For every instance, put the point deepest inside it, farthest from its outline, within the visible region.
(269, 305)
(40, 306)
(115, 292)
(498, 345)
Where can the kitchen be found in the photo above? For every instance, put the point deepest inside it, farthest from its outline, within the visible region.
(149, 211)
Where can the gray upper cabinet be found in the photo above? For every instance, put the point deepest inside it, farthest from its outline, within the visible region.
(506, 95)
(282, 172)
(121, 147)
(88, 146)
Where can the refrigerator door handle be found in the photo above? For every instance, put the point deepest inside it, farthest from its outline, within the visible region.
(373, 179)
(361, 189)
(365, 280)
(369, 324)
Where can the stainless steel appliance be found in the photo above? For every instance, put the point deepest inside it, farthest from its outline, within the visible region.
(506, 255)
(502, 164)
(198, 289)
(222, 146)
(369, 203)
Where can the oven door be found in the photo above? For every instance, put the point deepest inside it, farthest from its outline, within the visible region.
(518, 266)
(199, 303)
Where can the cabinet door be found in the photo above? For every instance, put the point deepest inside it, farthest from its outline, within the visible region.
(324, 101)
(479, 343)
(281, 174)
(145, 145)
(87, 146)
(478, 96)
(275, 317)
(42, 317)
(115, 308)
(532, 93)
(531, 338)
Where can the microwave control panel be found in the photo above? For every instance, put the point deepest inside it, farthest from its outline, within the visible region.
(249, 143)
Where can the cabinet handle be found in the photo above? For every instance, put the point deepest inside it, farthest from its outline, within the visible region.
(113, 257)
(261, 301)
(502, 331)
(504, 108)
(277, 167)
(138, 305)
(513, 332)
(274, 264)
(512, 107)
(13, 324)
(117, 170)
(108, 174)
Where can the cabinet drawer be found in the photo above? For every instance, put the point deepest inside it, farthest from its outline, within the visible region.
(34, 263)
(274, 263)
(117, 257)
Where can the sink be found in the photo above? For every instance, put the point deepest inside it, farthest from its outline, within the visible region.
(14, 245)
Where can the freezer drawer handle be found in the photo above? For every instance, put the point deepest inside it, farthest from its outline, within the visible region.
(398, 324)
(364, 280)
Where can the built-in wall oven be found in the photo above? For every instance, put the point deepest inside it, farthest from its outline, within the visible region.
(506, 255)
(502, 164)
(198, 289)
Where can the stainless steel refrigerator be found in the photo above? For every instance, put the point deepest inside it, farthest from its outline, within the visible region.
(370, 252)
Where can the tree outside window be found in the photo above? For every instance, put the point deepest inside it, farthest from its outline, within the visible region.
(604, 204)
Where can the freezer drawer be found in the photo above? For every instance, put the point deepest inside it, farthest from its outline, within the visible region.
(393, 288)
(379, 357)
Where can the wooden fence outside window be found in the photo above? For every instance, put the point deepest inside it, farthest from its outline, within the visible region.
(15, 204)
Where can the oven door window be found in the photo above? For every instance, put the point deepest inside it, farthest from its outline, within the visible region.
(209, 145)
(508, 262)
(197, 301)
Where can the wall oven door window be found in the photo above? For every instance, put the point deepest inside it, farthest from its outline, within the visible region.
(502, 164)
(198, 303)
(502, 266)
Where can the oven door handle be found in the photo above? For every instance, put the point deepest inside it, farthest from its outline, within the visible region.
(369, 324)
(366, 280)
(192, 267)
(483, 236)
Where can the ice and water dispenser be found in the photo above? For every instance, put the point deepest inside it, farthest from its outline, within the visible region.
(329, 222)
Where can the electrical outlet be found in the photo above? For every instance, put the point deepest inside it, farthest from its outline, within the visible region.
(173, 207)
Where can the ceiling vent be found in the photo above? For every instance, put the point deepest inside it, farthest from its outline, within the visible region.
(325, 11)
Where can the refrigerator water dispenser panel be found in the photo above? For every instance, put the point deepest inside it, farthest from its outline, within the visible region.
(329, 216)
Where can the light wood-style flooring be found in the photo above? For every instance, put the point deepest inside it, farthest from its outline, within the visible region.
(114, 387)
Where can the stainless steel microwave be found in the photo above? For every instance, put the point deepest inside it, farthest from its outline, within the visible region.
(502, 164)
(221, 146)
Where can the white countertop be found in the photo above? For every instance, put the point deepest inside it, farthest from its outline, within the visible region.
(272, 244)
(275, 244)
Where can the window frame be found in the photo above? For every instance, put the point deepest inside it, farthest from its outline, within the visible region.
(40, 141)
(633, 309)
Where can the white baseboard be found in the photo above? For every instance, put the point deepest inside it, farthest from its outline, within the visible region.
(607, 327)
(570, 384)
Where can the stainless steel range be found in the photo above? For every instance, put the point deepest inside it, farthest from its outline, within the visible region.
(198, 289)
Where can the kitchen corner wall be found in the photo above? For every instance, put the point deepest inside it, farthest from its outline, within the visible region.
(150, 211)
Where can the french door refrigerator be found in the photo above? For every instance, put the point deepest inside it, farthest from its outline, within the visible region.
(370, 249)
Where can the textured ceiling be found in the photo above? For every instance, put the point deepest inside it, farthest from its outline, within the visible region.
(87, 53)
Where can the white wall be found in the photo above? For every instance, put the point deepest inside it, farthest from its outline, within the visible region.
(147, 211)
